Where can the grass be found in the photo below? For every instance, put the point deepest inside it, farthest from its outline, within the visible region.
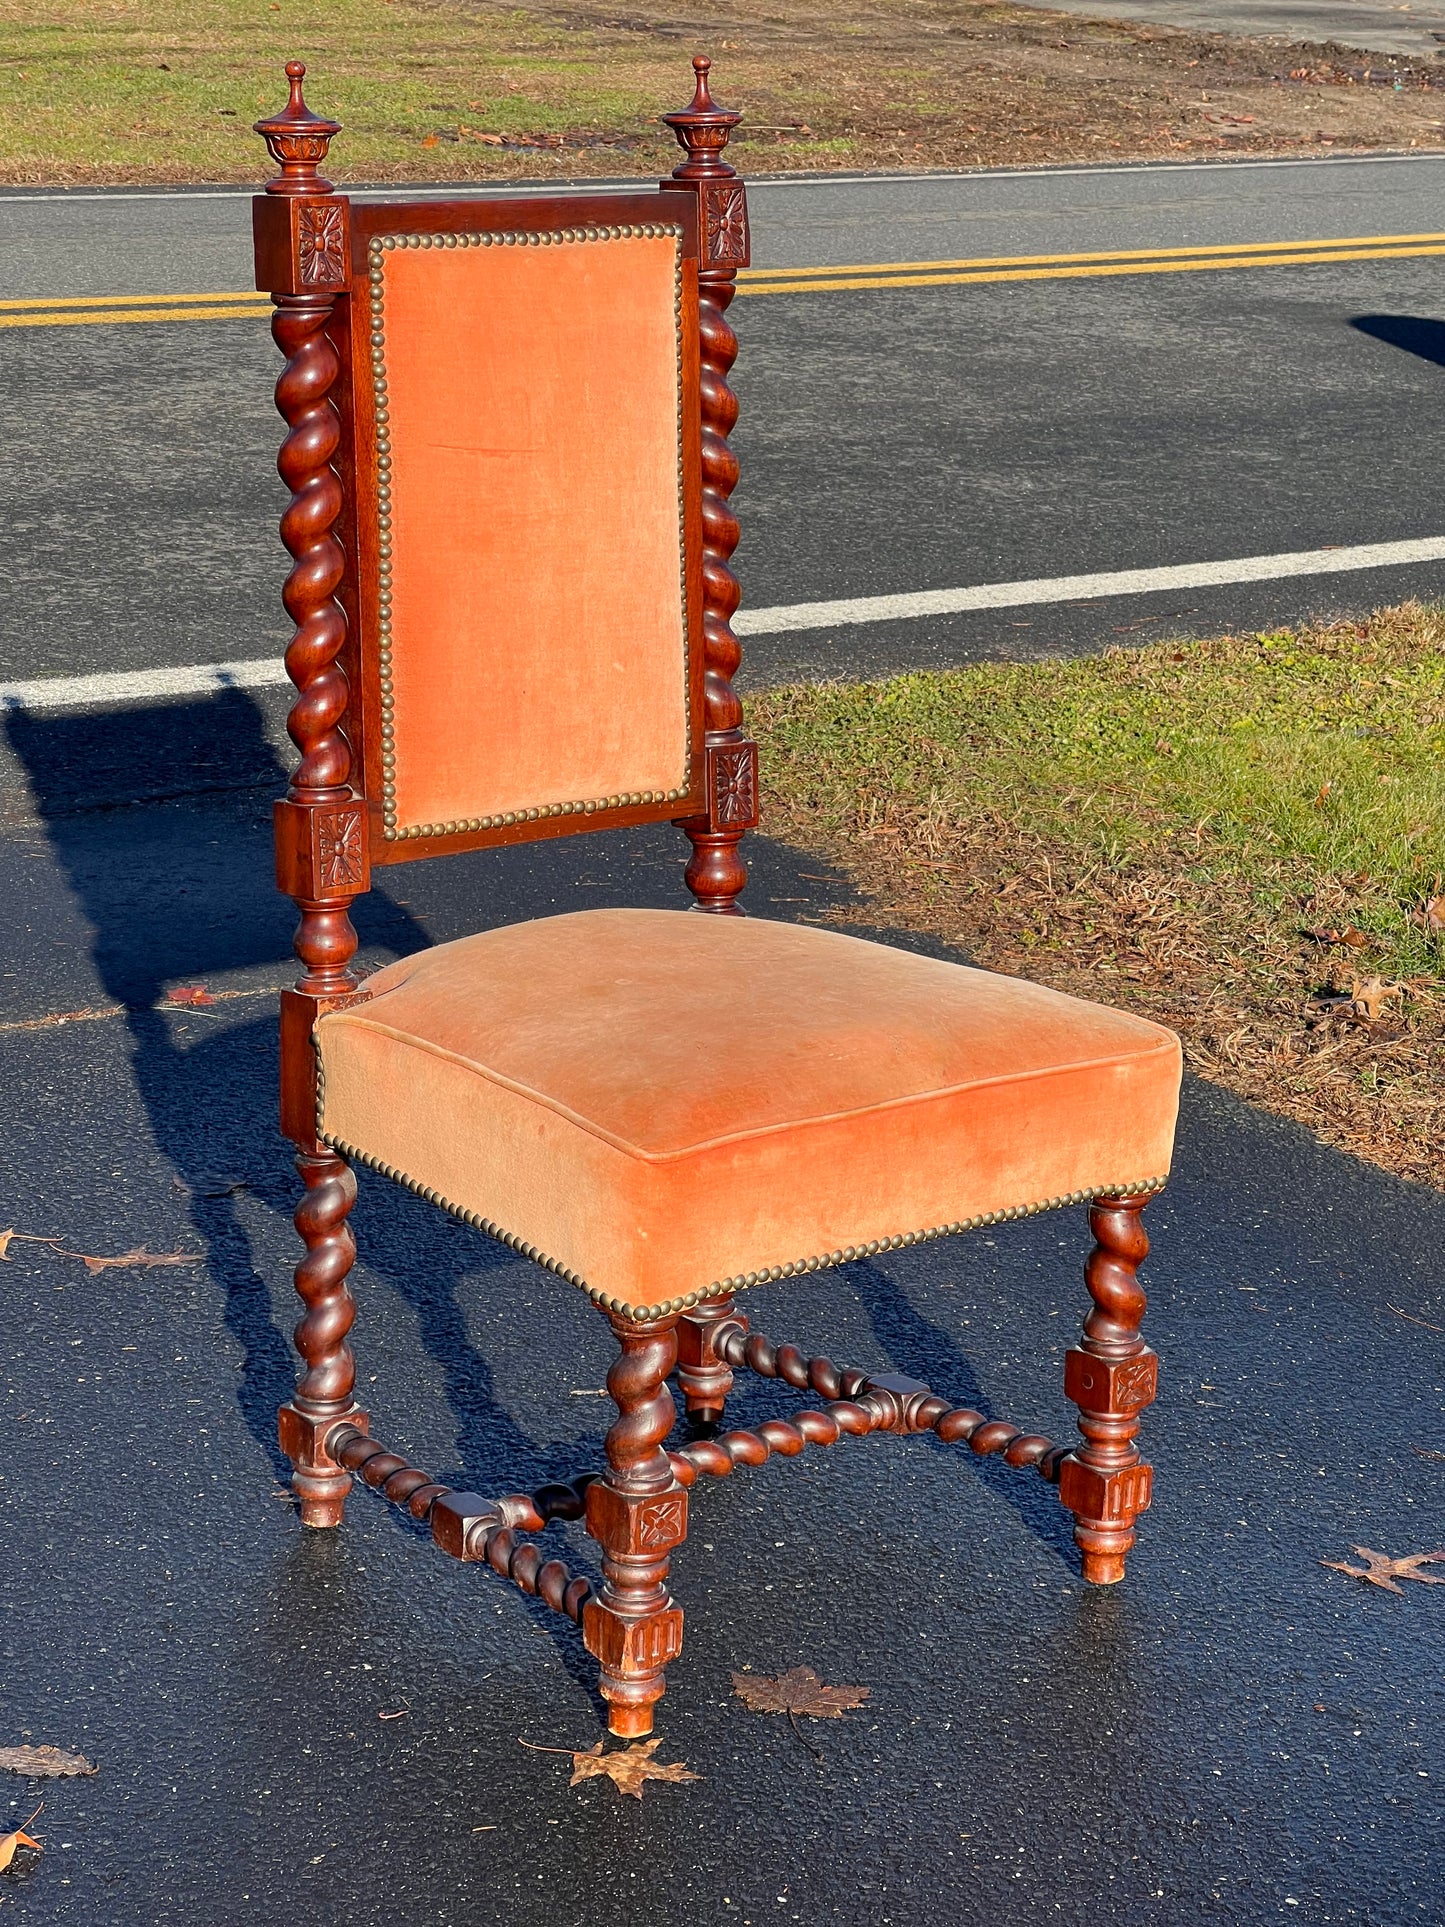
(151, 90)
(1242, 837)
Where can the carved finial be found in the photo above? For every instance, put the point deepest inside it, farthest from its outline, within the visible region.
(298, 140)
(702, 129)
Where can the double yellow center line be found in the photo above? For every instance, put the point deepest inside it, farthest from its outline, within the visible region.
(1065, 267)
(72, 311)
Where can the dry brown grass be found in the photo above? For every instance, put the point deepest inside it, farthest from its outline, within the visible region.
(148, 90)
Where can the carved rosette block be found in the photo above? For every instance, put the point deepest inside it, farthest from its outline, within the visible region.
(321, 850)
(725, 239)
(716, 873)
(1112, 1376)
(637, 1514)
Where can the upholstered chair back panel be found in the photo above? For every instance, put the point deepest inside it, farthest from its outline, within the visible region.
(534, 628)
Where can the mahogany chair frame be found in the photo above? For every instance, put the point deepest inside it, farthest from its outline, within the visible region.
(314, 255)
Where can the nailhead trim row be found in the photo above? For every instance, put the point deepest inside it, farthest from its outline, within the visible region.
(723, 1287)
(381, 245)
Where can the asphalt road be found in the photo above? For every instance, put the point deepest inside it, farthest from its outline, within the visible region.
(893, 440)
(329, 1725)
(1413, 27)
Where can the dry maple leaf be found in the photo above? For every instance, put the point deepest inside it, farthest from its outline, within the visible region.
(44, 1762)
(190, 995)
(1372, 994)
(628, 1768)
(7, 1238)
(141, 1258)
(1381, 1570)
(20, 1838)
(1435, 914)
(799, 1691)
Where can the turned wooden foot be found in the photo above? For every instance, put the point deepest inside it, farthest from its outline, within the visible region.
(322, 1398)
(1111, 1377)
(705, 1378)
(637, 1513)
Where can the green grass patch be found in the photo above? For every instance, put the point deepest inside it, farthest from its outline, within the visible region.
(149, 89)
(1282, 761)
(1243, 838)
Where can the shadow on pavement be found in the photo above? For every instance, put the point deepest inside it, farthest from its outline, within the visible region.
(1414, 333)
(189, 899)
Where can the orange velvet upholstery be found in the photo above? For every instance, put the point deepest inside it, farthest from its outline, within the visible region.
(655, 1102)
(535, 637)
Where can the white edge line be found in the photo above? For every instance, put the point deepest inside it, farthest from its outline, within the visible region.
(78, 692)
(452, 189)
(1081, 588)
(129, 685)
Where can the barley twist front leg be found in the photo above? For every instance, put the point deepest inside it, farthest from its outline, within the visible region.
(1111, 1377)
(638, 1514)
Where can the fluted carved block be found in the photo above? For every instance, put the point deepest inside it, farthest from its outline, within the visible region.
(632, 1649)
(1113, 1497)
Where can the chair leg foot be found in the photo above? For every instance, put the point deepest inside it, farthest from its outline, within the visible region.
(638, 1514)
(323, 1394)
(1111, 1377)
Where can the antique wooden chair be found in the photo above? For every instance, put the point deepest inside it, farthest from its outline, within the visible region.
(509, 520)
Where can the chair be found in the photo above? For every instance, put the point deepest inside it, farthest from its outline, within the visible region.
(510, 532)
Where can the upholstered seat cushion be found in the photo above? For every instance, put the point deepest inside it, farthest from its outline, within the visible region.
(656, 1102)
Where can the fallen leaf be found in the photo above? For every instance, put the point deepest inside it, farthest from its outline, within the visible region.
(20, 1838)
(1435, 914)
(7, 1238)
(799, 1691)
(1370, 996)
(430, 141)
(1324, 791)
(1355, 938)
(189, 994)
(141, 1259)
(44, 1762)
(628, 1768)
(10, 1841)
(1380, 1570)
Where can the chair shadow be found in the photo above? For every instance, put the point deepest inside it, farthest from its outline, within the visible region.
(183, 896)
(922, 1349)
(1415, 334)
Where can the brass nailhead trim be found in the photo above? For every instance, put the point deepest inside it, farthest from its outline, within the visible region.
(724, 1287)
(383, 244)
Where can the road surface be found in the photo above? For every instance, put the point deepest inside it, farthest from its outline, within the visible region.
(320, 1726)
